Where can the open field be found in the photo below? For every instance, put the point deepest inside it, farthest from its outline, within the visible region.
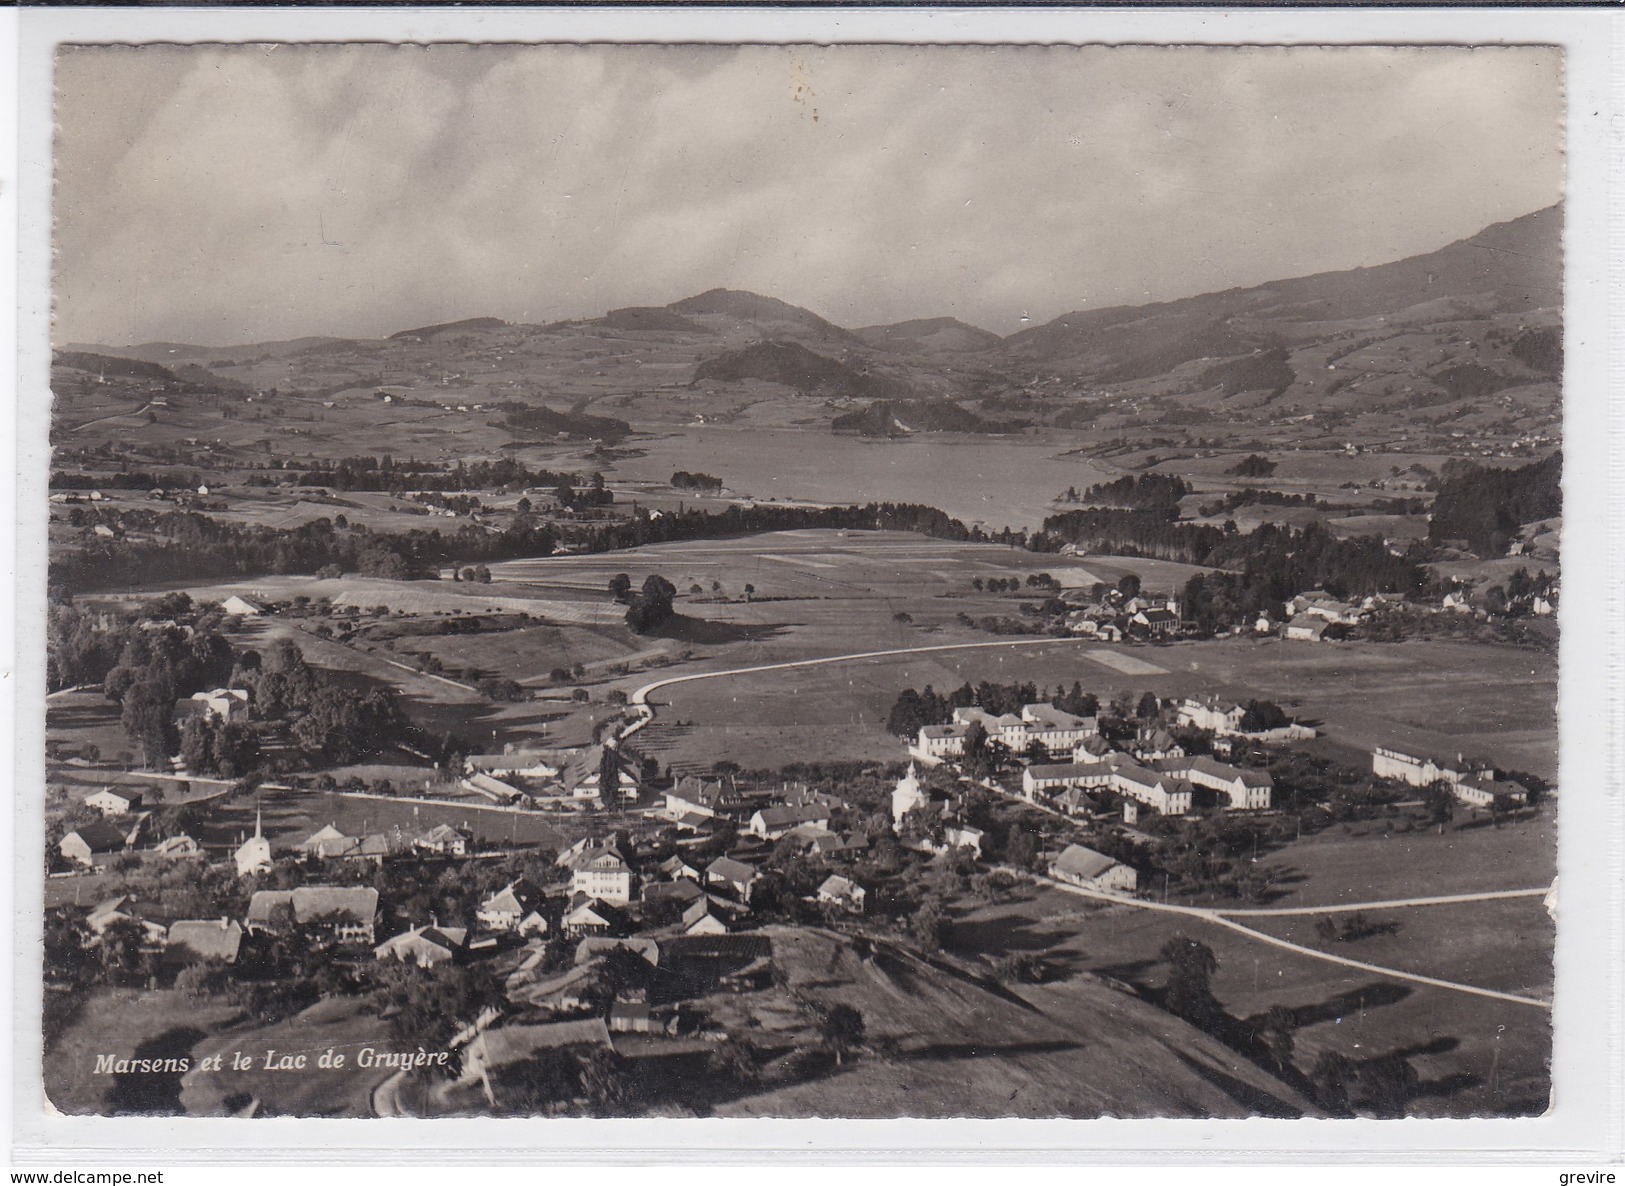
(339, 1024)
(1472, 1055)
(291, 816)
(965, 1048)
(1441, 696)
(1366, 862)
(128, 1023)
(1505, 945)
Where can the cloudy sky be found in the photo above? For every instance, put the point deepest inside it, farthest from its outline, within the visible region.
(226, 195)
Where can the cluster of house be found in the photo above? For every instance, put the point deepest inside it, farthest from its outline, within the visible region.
(554, 778)
(1474, 783)
(1113, 615)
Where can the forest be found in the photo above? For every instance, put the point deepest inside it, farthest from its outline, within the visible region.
(1486, 507)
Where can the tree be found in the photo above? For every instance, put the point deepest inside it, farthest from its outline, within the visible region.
(1275, 1035)
(1129, 585)
(1149, 707)
(1331, 1077)
(930, 925)
(1189, 992)
(620, 586)
(750, 591)
(842, 1029)
(1439, 800)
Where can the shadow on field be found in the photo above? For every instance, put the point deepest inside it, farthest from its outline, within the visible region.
(1001, 935)
(1350, 1003)
(157, 1093)
(947, 1051)
(697, 630)
(1256, 1100)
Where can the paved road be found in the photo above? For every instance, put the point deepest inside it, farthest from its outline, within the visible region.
(1224, 918)
(641, 696)
(1228, 918)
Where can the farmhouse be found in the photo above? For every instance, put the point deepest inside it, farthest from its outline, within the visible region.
(493, 1049)
(93, 844)
(505, 909)
(771, 823)
(492, 788)
(646, 949)
(843, 892)
(203, 939)
(588, 916)
(423, 946)
(603, 874)
(675, 868)
(179, 847)
(963, 836)
(732, 875)
(223, 704)
(583, 776)
(111, 802)
(513, 764)
(243, 607)
(444, 840)
(698, 919)
(695, 796)
(329, 842)
(1302, 629)
(348, 913)
(681, 891)
(1085, 867)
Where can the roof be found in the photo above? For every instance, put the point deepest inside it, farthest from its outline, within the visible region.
(518, 760)
(1144, 777)
(730, 869)
(1158, 616)
(515, 1043)
(696, 911)
(132, 797)
(100, 836)
(774, 817)
(311, 902)
(589, 948)
(839, 886)
(1250, 778)
(1078, 861)
(207, 938)
(441, 833)
(682, 890)
(447, 938)
(1062, 770)
(516, 897)
(944, 730)
(1048, 714)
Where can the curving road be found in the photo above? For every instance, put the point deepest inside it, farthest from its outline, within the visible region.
(1224, 918)
(1227, 918)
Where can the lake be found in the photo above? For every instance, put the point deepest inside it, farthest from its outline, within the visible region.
(995, 481)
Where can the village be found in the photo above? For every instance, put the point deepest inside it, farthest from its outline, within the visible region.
(656, 912)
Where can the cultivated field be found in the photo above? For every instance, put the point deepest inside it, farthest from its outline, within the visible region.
(1472, 1055)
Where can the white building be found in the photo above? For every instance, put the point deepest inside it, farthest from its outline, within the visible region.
(603, 875)
(1211, 714)
(254, 854)
(906, 796)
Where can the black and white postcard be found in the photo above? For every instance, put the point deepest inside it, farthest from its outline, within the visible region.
(784, 581)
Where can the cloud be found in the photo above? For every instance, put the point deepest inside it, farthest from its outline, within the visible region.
(233, 194)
